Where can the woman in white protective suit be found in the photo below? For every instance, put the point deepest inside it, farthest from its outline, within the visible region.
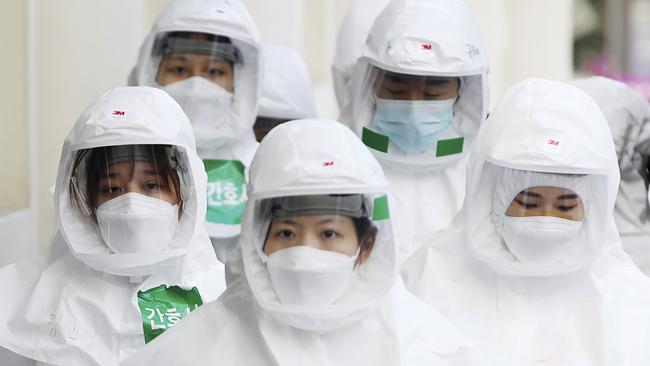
(131, 256)
(419, 95)
(628, 115)
(287, 92)
(350, 41)
(206, 54)
(315, 273)
(533, 271)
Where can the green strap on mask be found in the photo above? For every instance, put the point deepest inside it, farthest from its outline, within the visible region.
(450, 147)
(379, 142)
(162, 307)
(374, 140)
(226, 195)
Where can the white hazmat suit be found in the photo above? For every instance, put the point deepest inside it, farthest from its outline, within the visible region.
(373, 321)
(540, 290)
(222, 121)
(427, 38)
(86, 304)
(287, 91)
(628, 115)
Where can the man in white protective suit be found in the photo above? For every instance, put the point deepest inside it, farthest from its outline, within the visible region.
(350, 41)
(314, 281)
(287, 91)
(419, 95)
(533, 270)
(131, 257)
(628, 115)
(206, 54)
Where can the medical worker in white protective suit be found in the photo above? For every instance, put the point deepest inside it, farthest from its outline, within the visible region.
(628, 115)
(419, 97)
(131, 256)
(287, 92)
(206, 54)
(534, 272)
(350, 42)
(316, 280)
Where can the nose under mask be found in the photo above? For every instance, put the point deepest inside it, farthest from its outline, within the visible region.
(303, 275)
(539, 239)
(135, 223)
(414, 126)
(205, 103)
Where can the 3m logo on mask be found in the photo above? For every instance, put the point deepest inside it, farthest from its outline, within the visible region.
(118, 114)
(426, 47)
(162, 307)
(328, 163)
(552, 145)
(226, 195)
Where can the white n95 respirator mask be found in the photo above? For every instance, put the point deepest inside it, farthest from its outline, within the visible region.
(303, 275)
(135, 223)
(539, 239)
(205, 103)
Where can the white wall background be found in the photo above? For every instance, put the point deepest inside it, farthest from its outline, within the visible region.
(60, 55)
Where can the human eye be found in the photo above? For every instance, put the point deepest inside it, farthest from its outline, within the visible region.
(108, 189)
(525, 204)
(566, 208)
(329, 234)
(216, 71)
(284, 234)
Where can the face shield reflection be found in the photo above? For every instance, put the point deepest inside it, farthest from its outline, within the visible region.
(133, 193)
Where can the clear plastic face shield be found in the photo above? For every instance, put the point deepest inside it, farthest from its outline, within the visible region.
(313, 246)
(133, 195)
(414, 111)
(541, 218)
(183, 55)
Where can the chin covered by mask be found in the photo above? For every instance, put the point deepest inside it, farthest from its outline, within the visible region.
(135, 223)
(547, 214)
(205, 103)
(303, 275)
(414, 125)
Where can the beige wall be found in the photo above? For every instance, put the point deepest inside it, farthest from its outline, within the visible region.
(14, 157)
(82, 48)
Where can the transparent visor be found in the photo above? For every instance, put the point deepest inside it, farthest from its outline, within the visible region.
(414, 113)
(543, 217)
(181, 55)
(133, 194)
(395, 86)
(337, 223)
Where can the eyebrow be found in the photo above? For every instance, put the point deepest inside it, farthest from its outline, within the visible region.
(530, 194)
(571, 196)
(145, 172)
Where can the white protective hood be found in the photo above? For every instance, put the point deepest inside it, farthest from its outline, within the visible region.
(287, 92)
(373, 322)
(294, 162)
(227, 18)
(350, 42)
(423, 37)
(588, 308)
(628, 115)
(79, 305)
